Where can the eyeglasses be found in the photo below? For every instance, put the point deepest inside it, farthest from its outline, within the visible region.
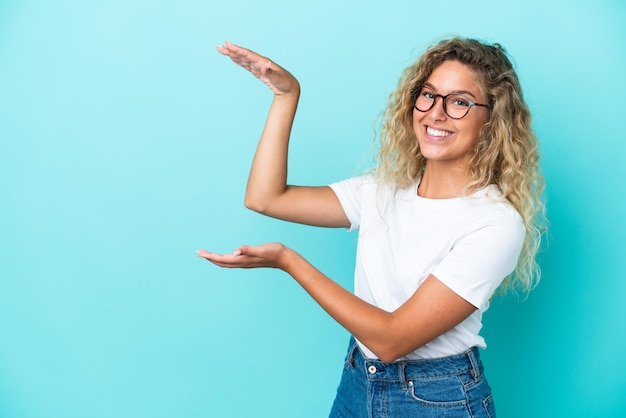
(455, 105)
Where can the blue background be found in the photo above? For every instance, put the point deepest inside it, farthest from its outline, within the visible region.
(125, 145)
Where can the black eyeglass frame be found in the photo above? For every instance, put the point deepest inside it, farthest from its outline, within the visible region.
(416, 91)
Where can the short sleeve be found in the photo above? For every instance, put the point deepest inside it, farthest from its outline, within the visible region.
(351, 194)
(479, 261)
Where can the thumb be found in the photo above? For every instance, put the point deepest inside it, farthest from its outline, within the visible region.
(242, 250)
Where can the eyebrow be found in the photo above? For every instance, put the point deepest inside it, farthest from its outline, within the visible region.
(452, 92)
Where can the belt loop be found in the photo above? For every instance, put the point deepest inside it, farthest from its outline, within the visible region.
(471, 355)
(401, 374)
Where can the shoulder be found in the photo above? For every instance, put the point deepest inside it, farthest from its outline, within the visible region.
(501, 207)
(365, 185)
(358, 181)
(488, 208)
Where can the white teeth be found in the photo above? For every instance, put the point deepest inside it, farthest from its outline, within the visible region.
(436, 132)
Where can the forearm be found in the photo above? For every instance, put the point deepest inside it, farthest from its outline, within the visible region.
(268, 174)
(373, 326)
(430, 312)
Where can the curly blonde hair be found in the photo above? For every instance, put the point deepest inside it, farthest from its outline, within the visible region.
(506, 151)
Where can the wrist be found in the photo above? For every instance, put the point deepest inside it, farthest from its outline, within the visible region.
(288, 258)
(292, 95)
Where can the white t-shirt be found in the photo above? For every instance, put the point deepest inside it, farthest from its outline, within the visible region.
(469, 243)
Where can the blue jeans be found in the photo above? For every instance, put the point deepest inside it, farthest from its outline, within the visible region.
(447, 387)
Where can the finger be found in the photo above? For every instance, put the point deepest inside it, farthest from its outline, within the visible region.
(246, 58)
(232, 261)
(214, 256)
(237, 53)
(236, 259)
(227, 48)
(203, 253)
(221, 49)
(252, 251)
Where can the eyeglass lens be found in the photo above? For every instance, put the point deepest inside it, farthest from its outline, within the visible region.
(454, 105)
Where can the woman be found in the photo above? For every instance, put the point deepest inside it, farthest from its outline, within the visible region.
(450, 213)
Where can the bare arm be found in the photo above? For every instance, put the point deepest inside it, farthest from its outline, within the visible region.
(267, 191)
(431, 311)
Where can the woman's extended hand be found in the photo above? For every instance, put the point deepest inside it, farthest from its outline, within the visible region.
(274, 255)
(279, 80)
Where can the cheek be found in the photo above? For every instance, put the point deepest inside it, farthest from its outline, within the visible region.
(417, 119)
(474, 129)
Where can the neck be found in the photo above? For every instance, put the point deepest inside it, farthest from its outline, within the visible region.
(443, 182)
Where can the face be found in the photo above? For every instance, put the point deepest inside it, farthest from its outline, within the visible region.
(442, 139)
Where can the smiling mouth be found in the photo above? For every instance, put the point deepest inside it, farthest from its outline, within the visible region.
(437, 132)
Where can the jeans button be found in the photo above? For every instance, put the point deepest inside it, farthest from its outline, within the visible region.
(371, 369)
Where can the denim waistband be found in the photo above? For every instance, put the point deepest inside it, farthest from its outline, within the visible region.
(406, 370)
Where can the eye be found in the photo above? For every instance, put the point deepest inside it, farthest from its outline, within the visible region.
(428, 94)
(459, 101)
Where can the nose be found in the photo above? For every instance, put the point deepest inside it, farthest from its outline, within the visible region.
(437, 111)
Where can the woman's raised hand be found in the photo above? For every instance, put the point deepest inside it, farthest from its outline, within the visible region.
(279, 80)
